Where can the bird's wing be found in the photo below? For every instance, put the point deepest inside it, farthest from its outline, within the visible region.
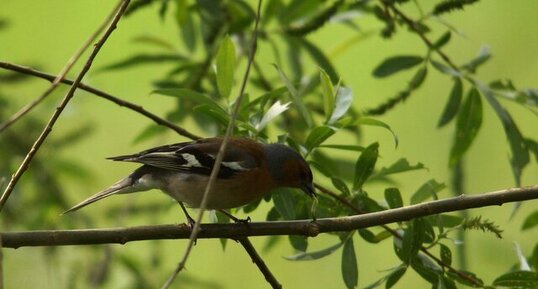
(195, 157)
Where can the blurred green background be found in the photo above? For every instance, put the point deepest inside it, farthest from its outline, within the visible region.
(44, 34)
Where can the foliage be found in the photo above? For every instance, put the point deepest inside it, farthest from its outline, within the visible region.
(305, 107)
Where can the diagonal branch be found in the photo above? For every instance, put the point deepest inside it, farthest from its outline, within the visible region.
(134, 107)
(48, 128)
(269, 277)
(58, 78)
(235, 231)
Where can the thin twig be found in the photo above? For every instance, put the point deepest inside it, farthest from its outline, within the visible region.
(219, 157)
(48, 128)
(57, 79)
(260, 263)
(137, 108)
(235, 231)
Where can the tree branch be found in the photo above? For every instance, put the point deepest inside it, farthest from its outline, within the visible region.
(69, 95)
(235, 231)
(269, 277)
(134, 107)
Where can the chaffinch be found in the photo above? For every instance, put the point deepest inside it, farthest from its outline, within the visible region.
(249, 170)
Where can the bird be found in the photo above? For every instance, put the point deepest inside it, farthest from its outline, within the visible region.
(249, 170)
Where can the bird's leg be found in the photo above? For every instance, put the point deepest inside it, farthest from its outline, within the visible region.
(235, 219)
(190, 221)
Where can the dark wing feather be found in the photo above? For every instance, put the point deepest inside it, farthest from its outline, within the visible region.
(194, 157)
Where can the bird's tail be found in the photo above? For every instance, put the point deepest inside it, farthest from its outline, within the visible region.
(123, 186)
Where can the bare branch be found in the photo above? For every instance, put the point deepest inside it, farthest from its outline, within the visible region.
(260, 263)
(57, 79)
(48, 128)
(134, 107)
(235, 231)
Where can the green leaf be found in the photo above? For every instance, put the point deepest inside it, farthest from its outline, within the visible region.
(467, 126)
(400, 166)
(395, 64)
(350, 271)
(418, 78)
(344, 100)
(519, 279)
(445, 283)
(190, 95)
(144, 59)
(299, 243)
(426, 268)
(328, 94)
(453, 104)
(308, 256)
(483, 56)
(185, 20)
(365, 165)
(518, 146)
(465, 281)
(225, 67)
(427, 190)
(378, 123)
(370, 237)
(444, 220)
(446, 254)
(318, 135)
(218, 115)
(275, 110)
(340, 185)
(413, 239)
(295, 97)
(531, 221)
(393, 198)
(445, 69)
(284, 203)
(395, 276)
(343, 147)
(442, 41)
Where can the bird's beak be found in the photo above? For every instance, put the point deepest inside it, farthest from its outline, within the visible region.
(309, 190)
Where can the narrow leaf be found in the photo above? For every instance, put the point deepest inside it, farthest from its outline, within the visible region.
(427, 190)
(191, 95)
(400, 166)
(284, 203)
(418, 78)
(445, 69)
(395, 64)
(308, 256)
(393, 198)
(467, 126)
(378, 123)
(365, 165)
(518, 146)
(318, 135)
(395, 276)
(295, 96)
(225, 66)
(453, 104)
(483, 56)
(344, 99)
(443, 40)
(328, 94)
(531, 221)
(446, 254)
(519, 279)
(350, 271)
(276, 109)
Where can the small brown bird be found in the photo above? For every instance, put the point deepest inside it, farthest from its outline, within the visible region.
(249, 170)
